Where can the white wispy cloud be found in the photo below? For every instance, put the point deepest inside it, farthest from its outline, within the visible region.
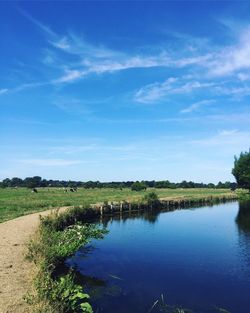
(155, 92)
(62, 44)
(232, 58)
(44, 28)
(200, 61)
(100, 59)
(233, 90)
(240, 117)
(226, 139)
(243, 76)
(4, 90)
(226, 132)
(73, 106)
(195, 106)
(73, 149)
(75, 45)
(69, 76)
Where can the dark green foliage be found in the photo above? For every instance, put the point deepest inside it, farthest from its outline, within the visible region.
(151, 198)
(241, 170)
(138, 186)
(32, 182)
(226, 185)
(243, 217)
(37, 181)
(69, 217)
(59, 237)
(162, 184)
(61, 295)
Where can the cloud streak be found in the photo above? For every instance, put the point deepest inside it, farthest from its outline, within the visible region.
(3, 91)
(232, 58)
(202, 66)
(196, 106)
(173, 85)
(44, 28)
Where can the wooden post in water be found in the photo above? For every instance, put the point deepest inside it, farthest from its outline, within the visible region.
(101, 213)
(120, 210)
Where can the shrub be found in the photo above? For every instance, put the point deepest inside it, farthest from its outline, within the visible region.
(151, 198)
(59, 237)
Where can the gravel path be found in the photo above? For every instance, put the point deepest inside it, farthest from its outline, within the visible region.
(15, 271)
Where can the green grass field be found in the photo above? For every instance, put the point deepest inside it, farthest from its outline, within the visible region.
(18, 202)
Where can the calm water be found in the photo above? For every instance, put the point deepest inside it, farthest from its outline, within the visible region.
(197, 258)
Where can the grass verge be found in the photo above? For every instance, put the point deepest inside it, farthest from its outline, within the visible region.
(244, 195)
(58, 237)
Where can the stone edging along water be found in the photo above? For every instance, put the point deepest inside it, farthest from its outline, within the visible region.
(99, 210)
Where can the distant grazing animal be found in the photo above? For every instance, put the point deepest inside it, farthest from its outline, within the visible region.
(65, 189)
(34, 190)
(73, 189)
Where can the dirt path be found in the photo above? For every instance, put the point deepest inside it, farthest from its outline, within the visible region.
(14, 269)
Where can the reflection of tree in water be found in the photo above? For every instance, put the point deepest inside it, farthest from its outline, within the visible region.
(147, 215)
(243, 217)
(243, 222)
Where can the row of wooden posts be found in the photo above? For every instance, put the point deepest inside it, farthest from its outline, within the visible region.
(116, 207)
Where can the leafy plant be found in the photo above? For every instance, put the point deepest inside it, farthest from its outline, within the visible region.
(59, 237)
(151, 198)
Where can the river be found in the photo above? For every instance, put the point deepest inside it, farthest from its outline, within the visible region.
(198, 259)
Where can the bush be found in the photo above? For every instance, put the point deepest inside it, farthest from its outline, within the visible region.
(151, 198)
(59, 237)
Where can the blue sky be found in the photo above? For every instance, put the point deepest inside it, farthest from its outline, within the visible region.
(124, 90)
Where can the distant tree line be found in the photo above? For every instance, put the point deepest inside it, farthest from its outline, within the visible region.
(37, 181)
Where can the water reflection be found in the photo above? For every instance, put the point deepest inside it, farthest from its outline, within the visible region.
(243, 222)
(243, 217)
(196, 258)
(149, 216)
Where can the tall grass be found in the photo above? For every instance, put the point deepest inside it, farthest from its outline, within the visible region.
(59, 236)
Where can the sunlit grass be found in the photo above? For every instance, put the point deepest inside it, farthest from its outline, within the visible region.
(21, 201)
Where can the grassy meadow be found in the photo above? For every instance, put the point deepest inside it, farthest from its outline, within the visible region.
(21, 201)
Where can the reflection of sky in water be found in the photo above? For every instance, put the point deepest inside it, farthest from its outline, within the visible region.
(197, 258)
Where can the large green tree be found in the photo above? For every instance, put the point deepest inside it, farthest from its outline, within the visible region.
(241, 170)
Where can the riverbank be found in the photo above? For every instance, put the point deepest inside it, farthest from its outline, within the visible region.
(61, 236)
(21, 201)
(15, 272)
